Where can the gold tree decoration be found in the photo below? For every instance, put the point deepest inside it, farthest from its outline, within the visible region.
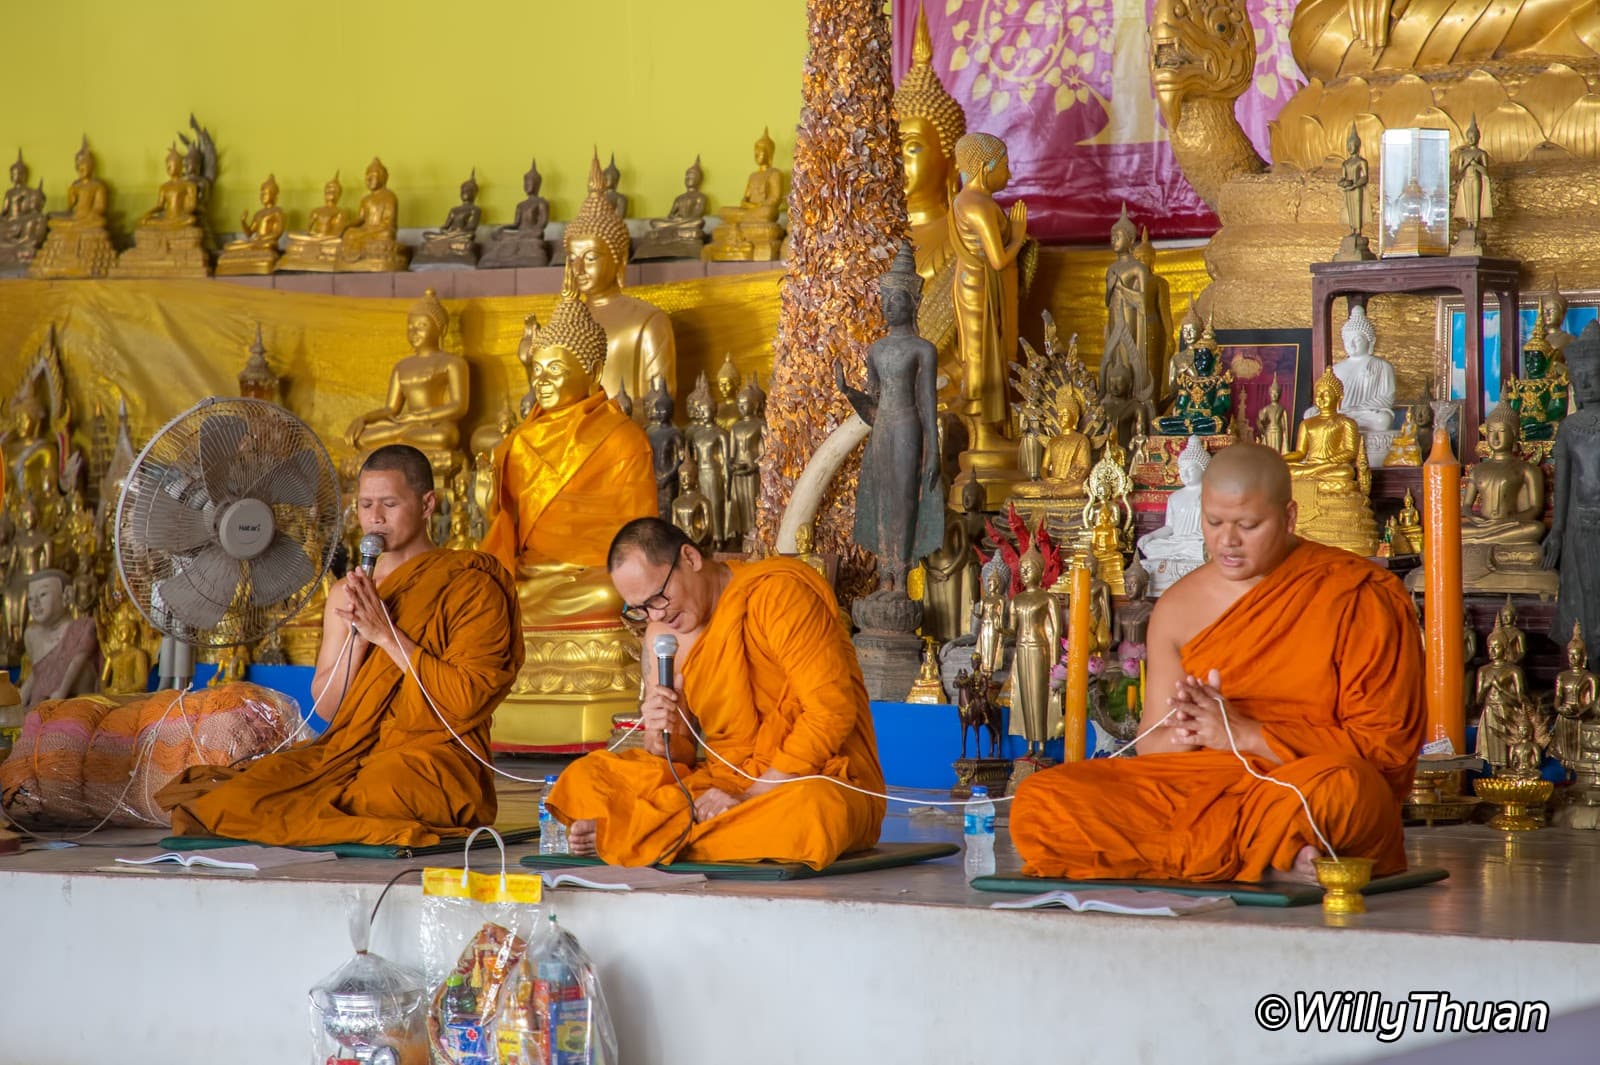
(847, 216)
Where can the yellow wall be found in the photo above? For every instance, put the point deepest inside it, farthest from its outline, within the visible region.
(301, 88)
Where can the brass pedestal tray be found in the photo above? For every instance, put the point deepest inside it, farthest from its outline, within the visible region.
(1342, 880)
(1515, 796)
(1436, 797)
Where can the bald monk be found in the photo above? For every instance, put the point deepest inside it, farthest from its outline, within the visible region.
(766, 673)
(1317, 654)
(387, 770)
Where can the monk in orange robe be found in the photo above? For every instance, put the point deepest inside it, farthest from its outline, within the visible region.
(1316, 655)
(387, 770)
(766, 673)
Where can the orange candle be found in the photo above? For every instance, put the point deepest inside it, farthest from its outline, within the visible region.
(1441, 604)
(1077, 708)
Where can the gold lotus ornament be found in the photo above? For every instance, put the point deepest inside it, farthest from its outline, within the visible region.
(1515, 795)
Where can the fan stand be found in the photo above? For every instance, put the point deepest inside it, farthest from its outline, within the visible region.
(176, 668)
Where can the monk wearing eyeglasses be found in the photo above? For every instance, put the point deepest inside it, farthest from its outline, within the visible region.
(765, 676)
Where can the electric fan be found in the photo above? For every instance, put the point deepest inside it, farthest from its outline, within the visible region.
(227, 521)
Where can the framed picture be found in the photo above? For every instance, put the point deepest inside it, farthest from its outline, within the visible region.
(1414, 211)
(1450, 339)
(1256, 356)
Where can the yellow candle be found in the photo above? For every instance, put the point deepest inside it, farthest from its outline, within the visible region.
(1077, 709)
(1441, 604)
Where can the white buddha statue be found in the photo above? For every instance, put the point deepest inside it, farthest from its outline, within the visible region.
(1179, 545)
(1368, 385)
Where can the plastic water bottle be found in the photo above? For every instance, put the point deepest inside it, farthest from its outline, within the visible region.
(979, 831)
(552, 833)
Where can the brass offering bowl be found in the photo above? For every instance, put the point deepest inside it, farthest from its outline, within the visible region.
(1514, 795)
(1342, 880)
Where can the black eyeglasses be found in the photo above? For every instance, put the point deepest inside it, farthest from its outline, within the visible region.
(658, 601)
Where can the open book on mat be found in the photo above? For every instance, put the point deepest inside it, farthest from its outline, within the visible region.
(250, 859)
(619, 878)
(1120, 900)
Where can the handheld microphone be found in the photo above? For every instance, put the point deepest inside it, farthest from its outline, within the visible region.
(666, 649)
(371, 547)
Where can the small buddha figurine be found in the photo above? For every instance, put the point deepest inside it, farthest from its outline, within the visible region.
(727, 385)
(127, 664)
(1068, 455)
(1272, 423)
(1540, 396)
(613, 177)
(991, 617)
(1504, 494)
(1499, 685)
(428, 393)
(1105, 547)
(1408, 527)
(256, 252)
(682, 234)
(928, 688)
(372, 244)
(1505, 621)
(747, 442)
(76, 535)
(691, 510)
(461, 538)
(23, 225)
(454, 245)
(1474, 198)
(1132, 620)
(1129, 417)
(77, 244)
(1368, 384)
(1188, 334)
(1330, 476)
(666, 446)
(1577, 690)
(1404, 450)
(317, 249)
(1204, 400)
(707, 447)
(804, 537)
(232, 664)
(1036, 622)
(63, 649)
(750, 232)
(1132, 312)
(256, 380)
(1353, 178)
(521, 243)
(639, 342)
(167, 239)
(1178, 547)
(32, 551)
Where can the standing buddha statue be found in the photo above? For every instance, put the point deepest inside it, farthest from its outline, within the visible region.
(256, 252)
(1577, 689)
(1036, 620)
(1540, 396)
(639, 343)
(728, 382)
(747, 443)
(1160, 343)
(78, 244)
(750, 232)
(167, 239)
(1272, 424)
(23, 225)
(317, 249)
(1205, 398)
(454, 245)
(372, 244)
(1500, 685)
(682, 234)
(666, 446)
(521, 243)
(707, 444)
(1132, 312)
(1330, 476)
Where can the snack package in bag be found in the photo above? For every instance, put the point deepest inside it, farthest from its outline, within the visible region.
(475, 931)
(552, 1011)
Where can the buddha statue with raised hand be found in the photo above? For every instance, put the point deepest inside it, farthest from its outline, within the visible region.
(522, 243)
(256, 252)
(372, 245)
(454, 245)
(1330, 476)
(682, 234)
(1204, 401)
(750, 232)
(78, 244)
(317, 249)
(427, 397)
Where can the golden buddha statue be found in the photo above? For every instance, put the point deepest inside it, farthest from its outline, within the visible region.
(232, 663)
(1068, 454)
(1409, 524)
(682, 234)
(804, 543)
(931, 122)
(126, 670)
(32, 550)
(567, 479)
(1500, 682)
(750, 232)
(372, 244)
(317, 249)
(1502, 521)
(691, 510)
(454, 244)
(428, 394)
(256, 252)
(23, 225)
(167, 239)
(1272, 423)
(1162, 340)
(1577, 689)
(1330, 476)
(1405, 450)
(485, 439)
(639, 343)
(746, 445)
(708, 448)
(728, 382)
(1105, 549)
(77, 244)
(928, 688)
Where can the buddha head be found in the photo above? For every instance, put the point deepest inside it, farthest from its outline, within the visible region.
(1352, 141)
(1123, 233)
(764, 149)
(1554, 305)
(700, 404)
(269, 191)
(996, 577)
(1119, 381)
(1499, 646)
(83, 162)
(1536, 349)
(982, 160)
(174, 161)
(611, 174)
(377, 174)
(1145, 251)
(900, 288)
(28, 515)
(1030, 567)
(749, 400)
(1192, 462)
(532, 180)
(658, 403)
(930, 122)
(689, 481)
(1501, 430)
(1205, 354)
(1069, 409)
(971, 497)
(727, 378)
(568, 354)
(1577, 656)
(426, 323)
(47, 596)
(27, 415)
(596, 241)
(1470, 135)
(1357, 333)
(469, 187)
(19, 170)
(1275, 390)
(693, 176)
(1583, 362)
(332, 190)
(1328, 393)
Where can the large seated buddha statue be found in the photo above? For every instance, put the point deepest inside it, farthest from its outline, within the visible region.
(317, 249)
(427, 397)
(372, 245)
(566, 479)
(1330, 475)
(750, 232)
(639, 342)
(167, 239)
(78, 244)
(256, 251)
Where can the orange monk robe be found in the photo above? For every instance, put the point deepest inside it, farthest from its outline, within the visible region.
(387, 770)
(775, 683)
(1325, 653)
(566, 481)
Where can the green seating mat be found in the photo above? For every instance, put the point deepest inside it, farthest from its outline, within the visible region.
(1276, 893)
(883, 856)
(359, 850)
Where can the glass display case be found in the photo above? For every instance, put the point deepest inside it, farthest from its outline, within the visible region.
(1414, 214)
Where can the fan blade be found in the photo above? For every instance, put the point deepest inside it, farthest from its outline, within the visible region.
(292, 481)
(279, 572)
(200, 593)
(220, 437)
(175, 527)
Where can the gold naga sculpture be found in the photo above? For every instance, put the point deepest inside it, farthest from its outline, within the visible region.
(750, 231)
(317, 249)
(427, 397)
(372, 245)
(78, 244)
(256, 251)
(1062, 417)
(1330, 477)
(640, 345)
(23, 225)
(168, 240)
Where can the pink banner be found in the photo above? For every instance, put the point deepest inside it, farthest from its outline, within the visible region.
(1067, 86)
